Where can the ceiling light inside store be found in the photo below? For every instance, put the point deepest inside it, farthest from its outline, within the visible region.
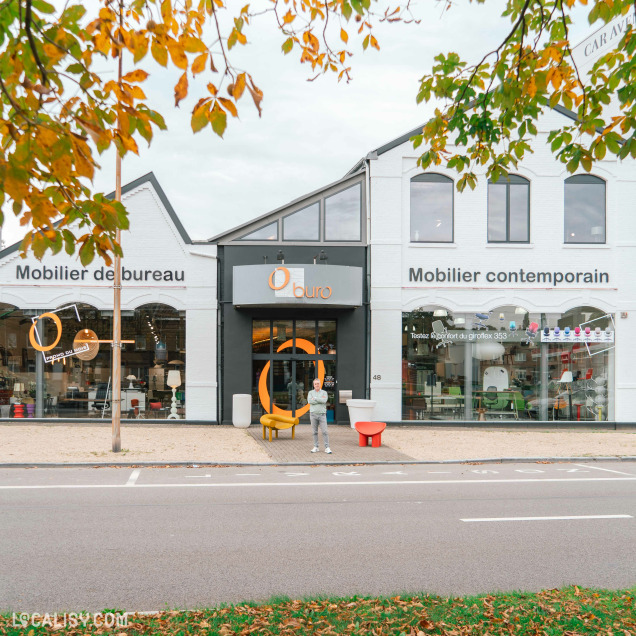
(520, 310)
(460, 321)
(440, 313)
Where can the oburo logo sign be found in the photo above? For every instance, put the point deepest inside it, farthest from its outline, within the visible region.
(290, 283)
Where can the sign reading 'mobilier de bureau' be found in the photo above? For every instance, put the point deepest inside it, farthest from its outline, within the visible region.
(285, 285)
(63, 273)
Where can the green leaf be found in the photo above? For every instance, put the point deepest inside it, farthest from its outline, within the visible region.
(288, 45)
(218, 119)
(42, 6)
(87, 251)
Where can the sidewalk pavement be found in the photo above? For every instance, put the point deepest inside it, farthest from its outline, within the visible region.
(64, 442)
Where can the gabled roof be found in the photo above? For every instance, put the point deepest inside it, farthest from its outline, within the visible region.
(398, 141)
(129, 187)
(259, 221)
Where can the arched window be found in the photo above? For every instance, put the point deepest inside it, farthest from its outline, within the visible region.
(509, 210)
(431, 209)
(584, 220)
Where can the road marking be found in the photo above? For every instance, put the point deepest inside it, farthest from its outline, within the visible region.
(395, 472)
(352, 472)
(132, 480)
(618, 472)
(438, 472)
(568, 518)
(197, 476)
(432, 482)
(296, 474)
(247, 474)
(572, 470)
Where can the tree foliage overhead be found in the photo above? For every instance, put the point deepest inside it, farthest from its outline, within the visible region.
(59, 110)
(490, 109)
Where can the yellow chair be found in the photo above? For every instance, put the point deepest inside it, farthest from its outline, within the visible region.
(278, 423)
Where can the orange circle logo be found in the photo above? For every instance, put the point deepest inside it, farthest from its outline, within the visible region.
(58, 323)
(263, 392)
(271, 278)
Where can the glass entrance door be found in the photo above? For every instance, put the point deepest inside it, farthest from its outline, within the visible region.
(287, 355)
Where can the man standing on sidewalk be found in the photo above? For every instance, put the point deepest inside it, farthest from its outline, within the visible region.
(318, 415)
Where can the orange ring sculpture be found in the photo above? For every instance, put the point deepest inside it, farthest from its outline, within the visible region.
(58, 324)
(263, 392)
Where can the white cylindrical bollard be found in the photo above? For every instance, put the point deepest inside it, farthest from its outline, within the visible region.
(360, 411)
(241, 410)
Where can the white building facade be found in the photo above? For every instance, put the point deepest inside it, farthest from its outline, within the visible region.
(512, 301)
(169, 310)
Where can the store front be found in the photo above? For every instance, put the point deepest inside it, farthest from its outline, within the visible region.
(275, 340)
(508, 363)
(56, 325)
(293, 295)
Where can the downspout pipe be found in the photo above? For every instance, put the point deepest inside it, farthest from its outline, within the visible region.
(367, 198)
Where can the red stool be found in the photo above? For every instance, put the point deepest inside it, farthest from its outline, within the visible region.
(134, 405)
(372, 430)
(19, 410)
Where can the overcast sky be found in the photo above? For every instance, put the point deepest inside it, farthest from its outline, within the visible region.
(310, 133)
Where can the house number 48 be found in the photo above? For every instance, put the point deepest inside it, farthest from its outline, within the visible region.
(377, 377)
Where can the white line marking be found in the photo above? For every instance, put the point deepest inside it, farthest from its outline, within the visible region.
(132, 480)
(247, 474)
(197, 476)
(570, 518)
(432, 482)
(608, 470)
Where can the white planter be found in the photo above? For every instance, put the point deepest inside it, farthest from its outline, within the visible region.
(360, 411)
(241, 410)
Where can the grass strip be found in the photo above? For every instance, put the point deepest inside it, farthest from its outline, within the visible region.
(570, 611)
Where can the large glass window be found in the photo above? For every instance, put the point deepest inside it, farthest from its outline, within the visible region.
(497, 365)
(433, 371)
(267, 233)
(303, 225)
(509, 210)
(17, 363)
(584, 209)
(342, 215)
(155, 361)
(283, 371)
(431, 209)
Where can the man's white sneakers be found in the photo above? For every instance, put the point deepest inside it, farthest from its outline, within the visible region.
(328, 450)
(315, 449)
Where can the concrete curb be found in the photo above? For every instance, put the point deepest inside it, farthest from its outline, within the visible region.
(169, 464)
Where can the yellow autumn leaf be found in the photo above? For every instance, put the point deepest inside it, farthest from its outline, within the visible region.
(181, 89)
(239, 86)
(344, 36)
(159, 53)
(138, 75)
(177, 54)
(198, 66)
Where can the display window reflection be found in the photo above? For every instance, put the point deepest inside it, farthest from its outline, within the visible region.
(433, 371)
(71, 377)
(495, 364)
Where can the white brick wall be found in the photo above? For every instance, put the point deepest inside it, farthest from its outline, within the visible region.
(152, 243)
(392, 256)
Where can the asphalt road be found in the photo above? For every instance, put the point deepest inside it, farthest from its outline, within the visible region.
(156, 538)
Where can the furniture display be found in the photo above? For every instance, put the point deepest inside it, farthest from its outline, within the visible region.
(372, 431)
(278, 423)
